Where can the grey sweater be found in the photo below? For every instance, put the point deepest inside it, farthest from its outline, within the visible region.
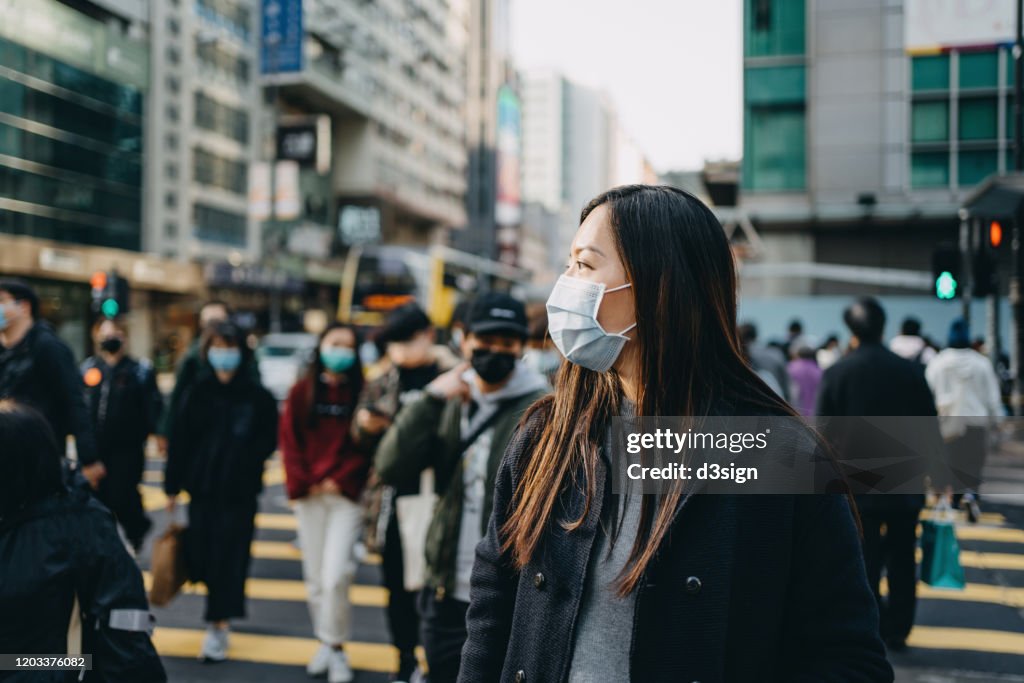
(604, 628)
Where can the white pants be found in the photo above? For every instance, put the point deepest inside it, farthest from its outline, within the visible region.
(329, 527)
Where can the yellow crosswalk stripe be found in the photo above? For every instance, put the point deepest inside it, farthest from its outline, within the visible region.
(975, 640)
(994, 518)
(282, 550)
(988, 533)
(291, 591)
(972, 592)
(282, 650)
(276, 520)
(980, 560)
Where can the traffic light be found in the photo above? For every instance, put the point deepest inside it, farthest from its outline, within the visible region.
(984, 265)
(110, 293)
(946, 272)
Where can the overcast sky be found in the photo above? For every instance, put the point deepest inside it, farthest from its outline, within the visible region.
(672, 67)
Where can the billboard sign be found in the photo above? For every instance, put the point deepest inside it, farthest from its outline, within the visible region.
(508, 209)
(932, 26)
(281, 37)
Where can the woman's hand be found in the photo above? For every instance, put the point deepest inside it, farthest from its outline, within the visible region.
(330, 487)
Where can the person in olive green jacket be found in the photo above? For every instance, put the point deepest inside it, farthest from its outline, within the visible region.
(460, 428)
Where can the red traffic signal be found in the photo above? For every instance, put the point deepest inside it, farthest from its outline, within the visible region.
(995, 234)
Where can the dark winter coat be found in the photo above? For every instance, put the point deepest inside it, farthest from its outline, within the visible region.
(427, 434)
(874, 381)
(124, 405)
(40, 371)
(745, 588)
(58, 548)
(223, 435)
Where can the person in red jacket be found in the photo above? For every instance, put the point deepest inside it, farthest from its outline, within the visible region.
(326, 471)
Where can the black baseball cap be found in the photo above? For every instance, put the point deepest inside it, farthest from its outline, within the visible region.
(495, 313)
(403, 324)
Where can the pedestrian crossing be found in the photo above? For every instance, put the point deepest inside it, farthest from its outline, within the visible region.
(992, 555)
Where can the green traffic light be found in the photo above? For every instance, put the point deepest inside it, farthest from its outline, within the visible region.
(110, 308)
(945, 285)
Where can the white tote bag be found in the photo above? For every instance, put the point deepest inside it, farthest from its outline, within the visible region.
(414, 514)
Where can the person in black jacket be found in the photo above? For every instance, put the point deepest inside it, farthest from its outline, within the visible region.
(59, 545)
(124, 404)
(873, 381)
(38, 369)
(224, 431)
(575, 583)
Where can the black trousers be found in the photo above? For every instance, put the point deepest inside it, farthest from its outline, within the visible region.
(443, 628)
(119, 491)
(403, 619)
(217, 553)
(894, 550)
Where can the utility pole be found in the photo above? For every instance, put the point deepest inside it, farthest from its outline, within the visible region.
(1016, 302)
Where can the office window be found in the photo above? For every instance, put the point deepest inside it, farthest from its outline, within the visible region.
(930, 122)
(929, 169)
(979, 70)
(215, 225)
(226, 174)
(930, 73)
(978, 118)
(774, 27)
(775, 157)
(973, 166)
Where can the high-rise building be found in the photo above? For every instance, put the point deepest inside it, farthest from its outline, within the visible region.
(390, 76)
(490, 77)
(202, 129)
(865, 126)
(574, 147)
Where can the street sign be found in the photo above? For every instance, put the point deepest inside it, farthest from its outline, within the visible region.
(282, 37)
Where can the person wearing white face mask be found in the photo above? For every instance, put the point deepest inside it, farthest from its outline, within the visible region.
(326, 470)
(575, 583)
(225, 430)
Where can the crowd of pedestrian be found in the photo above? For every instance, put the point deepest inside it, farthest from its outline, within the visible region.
(479, 470)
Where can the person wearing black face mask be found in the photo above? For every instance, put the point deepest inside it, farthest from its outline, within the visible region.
(124, 404)
(459, 429)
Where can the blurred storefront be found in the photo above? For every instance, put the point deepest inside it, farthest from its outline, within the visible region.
(164, 293)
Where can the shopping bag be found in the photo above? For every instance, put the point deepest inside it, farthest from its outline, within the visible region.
(940, 553)
(414, 514)
(168, 565)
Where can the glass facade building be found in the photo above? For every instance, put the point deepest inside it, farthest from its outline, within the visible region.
(961, 123)
(774, 95)
(71, 136)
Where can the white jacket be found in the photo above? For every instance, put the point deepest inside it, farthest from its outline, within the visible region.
(965, 386)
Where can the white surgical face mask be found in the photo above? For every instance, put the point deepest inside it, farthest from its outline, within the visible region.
(572, 323)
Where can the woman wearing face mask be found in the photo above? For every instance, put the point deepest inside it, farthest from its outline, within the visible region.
(573, 583)
(225, 430)
(326, 472)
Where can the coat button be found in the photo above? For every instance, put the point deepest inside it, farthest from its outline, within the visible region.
(693, 584)
(520, 676)
(538, 580)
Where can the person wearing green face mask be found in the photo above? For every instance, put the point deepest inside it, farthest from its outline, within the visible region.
(225, 430)
(327, 467)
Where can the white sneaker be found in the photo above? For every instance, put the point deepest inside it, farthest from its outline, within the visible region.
(317, 666)
(338, 670)
(215, 645)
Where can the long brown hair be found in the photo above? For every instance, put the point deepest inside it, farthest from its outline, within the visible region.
(683, 279)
